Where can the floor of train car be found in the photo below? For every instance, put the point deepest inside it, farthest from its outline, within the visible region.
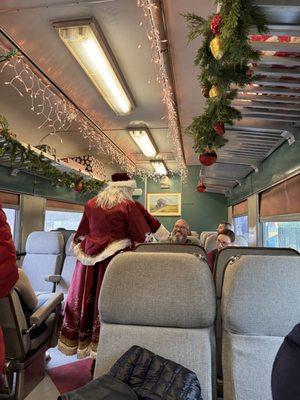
(46, 388)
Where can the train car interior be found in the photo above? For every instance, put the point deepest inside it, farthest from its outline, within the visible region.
(187, 113)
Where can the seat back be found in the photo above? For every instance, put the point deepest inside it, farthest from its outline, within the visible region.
(44, 254)
(204, 235)
(222, 258)
(13, 322)
(227, 253)
(68, 267)
(210, 243)
(163, 302)
(260, 306)
(240, 241)
(170, 248)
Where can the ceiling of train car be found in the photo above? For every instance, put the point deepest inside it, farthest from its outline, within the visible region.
(269, 106)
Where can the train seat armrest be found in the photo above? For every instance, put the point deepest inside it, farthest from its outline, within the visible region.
(53, 278)
(46, 309)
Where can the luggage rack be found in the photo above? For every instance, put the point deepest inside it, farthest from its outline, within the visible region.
(60, 165)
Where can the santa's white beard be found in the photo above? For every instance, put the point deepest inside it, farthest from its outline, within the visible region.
(111, 196)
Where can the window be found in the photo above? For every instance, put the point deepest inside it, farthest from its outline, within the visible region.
(11, 219)
(282, 234)
(62, 219)
(241, 226)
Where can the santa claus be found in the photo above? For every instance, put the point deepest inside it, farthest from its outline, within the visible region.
(112, 222)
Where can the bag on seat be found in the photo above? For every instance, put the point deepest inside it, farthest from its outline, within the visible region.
(141, 372)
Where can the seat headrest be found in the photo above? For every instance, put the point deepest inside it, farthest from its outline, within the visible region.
(69, 246)
(240, 241)
(225, 254)
(260, 295)
(45, 243)
(158, 289)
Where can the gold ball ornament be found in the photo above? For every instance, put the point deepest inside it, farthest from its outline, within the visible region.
(217, 47)
(214, 92)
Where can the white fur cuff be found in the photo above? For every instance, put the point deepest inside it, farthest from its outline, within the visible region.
(162, 233)
(110, 250)
(130, 184)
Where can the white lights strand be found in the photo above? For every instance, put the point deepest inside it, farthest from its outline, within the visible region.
(150, 10)
(56, 112)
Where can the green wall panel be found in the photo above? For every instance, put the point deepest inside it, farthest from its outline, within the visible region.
(280, 165)
(29, 184)
(202, 211)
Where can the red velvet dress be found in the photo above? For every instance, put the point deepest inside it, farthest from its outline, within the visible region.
(104, 233)
(8, 269)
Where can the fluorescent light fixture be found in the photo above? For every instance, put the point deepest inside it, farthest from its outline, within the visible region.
(87, 43)
(159, 167)
(143, 139)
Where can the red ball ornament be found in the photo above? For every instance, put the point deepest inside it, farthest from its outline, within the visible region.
(201, 188)
(219, 128)
(215, 24)
(208, 158)
(79, 186)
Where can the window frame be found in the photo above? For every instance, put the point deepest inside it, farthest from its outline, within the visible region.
(277, 218)
(57, 209)
(16, 231)
(239, 216)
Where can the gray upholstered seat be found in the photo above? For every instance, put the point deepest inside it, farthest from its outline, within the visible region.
(204, 235)
(170, 247)
(44, 254)
(163, 302)
(222, 259)
(260, 305)
(68, 268)
(25, 352)
(210, 242)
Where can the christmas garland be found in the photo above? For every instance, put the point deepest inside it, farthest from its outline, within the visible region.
(22, 158)
(7, 56)
(223, 59)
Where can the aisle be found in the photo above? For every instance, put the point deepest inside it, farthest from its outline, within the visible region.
(62, 374)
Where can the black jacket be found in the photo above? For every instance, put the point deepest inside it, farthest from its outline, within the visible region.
(286, 368)
(148, 376)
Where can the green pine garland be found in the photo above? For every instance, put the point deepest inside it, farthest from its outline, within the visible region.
(7, 56)
(27, 160)
(238, 16)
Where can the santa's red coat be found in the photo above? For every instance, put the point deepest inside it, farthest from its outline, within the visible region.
(104, 232)
(8, 268)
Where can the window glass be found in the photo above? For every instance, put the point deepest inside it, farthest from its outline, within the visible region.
(61, 219)
(11, 218)
(241, 226)
(282, 234)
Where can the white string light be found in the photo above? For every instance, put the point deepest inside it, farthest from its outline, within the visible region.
(57, 112)
(150, 12)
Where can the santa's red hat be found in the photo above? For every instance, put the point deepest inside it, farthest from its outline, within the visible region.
(121, 179)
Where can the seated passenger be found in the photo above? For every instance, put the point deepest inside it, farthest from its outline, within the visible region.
(225, 238)
(25, 291)
(180, 233)
(224, 225)
(286, 368)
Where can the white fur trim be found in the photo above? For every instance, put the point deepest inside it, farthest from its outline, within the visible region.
(130, 184)
(110, 250)
(162, 233)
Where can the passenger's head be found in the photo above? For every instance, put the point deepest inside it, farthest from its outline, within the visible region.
(225, 238)
(180, 231)
(224, 225)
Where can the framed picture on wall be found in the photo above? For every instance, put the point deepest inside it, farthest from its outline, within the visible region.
(164, 204)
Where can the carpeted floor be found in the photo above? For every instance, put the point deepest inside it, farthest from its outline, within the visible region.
(71, 376)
